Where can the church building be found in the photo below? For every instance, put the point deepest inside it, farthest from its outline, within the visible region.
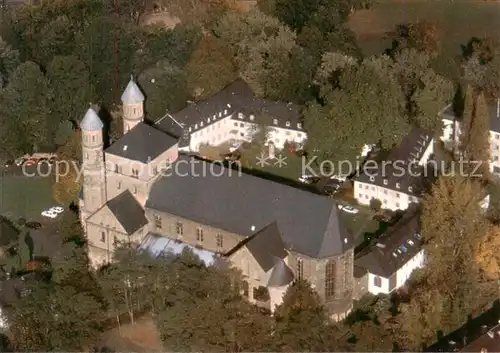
(144, 190)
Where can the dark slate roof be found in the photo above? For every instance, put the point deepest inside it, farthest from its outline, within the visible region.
(411, 148)
(170, 126)
(395, 248)
(143, 143)
(236, 98)
(128, 212)
(229, 199)
(266, 245)
(490, 341)
(281, 274)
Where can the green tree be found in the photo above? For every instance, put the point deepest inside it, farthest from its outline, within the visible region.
(478, 144)
(166, 90)
(229, 323)
(133, 10)
(452, 225)
(72, 90)
(64, 132)
(107, 47)
(9, 60)
(301, 323)
(210, 68)
(200, 12)
(173, 46)
(366, 106)
(26, 105)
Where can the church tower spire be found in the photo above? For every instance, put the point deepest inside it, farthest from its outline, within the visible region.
(133, 106)
(94, 186)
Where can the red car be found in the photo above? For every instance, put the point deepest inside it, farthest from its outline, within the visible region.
(30, 162)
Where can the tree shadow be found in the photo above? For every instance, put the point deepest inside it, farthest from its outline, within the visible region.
(107, 119)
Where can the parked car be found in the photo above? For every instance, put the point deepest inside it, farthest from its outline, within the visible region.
(348, 209)
(309, 179)
(33, 225)
(20, 161)
(57, 209)
(331, 189)
(49, 214)
(30, 162)
(9, 163)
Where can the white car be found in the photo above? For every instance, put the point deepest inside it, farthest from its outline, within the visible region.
(57, 209)
(234, 147)
(348, 209)
(49, 214)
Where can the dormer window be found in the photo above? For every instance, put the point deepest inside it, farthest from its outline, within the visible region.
(240, 115)
(201, 124)
(225, 111)
(208, 120)
(195, 126)
(190, 129)
(275, 121)
(410, 189)
(372, 178)
(220, 114)
(386, 182)
(398, 185)
(287, 124)
(252, 118)
(299, 126)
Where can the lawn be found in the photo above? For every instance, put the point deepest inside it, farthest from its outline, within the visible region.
(25, 196)
(359, 224)
(458, 21)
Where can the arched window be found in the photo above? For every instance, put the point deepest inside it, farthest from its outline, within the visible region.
(300, 268)
(330, 279)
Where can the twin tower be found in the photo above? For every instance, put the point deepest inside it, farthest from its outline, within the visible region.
(94, 173)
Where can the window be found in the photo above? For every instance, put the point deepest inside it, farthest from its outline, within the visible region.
(135, 189)
(93, 138)
(377, 281)
(397, 195)
(385, 192)
(287, 124)
(225, 111)
(115, 240)
(360, 196)
(208, 120)
(155, 170)
(275, 121)
(397, 204)
(195, 126)
(330, 279)
(386, 181)
(135, 173)
(372, 178)
(410, 189)
(299, 126)
(252, 118)
(157, 221)
(240, 116)
(235, 124)
(103, 237)
(179, 229)
(398, 185)
(86, 155)
(219, 241)
(201, 124)
(199, 234)
(220, 114)
(242, 125)
(300, 268)
(119, 185)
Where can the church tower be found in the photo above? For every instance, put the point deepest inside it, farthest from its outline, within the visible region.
(94, 186)
(133, 106)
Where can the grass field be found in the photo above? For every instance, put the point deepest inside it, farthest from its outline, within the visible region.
(25, 196)
(458, 21)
